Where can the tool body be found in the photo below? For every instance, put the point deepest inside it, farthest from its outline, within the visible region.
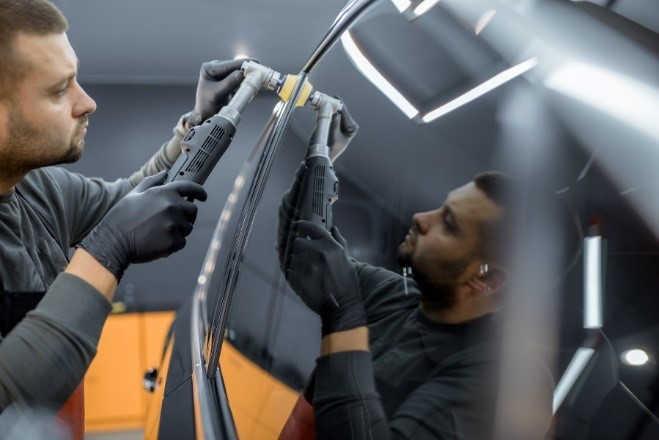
(320, 187)
(203, 146)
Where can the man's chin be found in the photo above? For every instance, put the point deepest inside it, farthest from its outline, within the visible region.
(403, 258)
(73, 154)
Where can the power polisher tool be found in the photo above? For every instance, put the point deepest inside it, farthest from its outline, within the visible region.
(204, 145)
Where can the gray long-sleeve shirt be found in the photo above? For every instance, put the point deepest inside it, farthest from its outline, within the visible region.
(46, 355)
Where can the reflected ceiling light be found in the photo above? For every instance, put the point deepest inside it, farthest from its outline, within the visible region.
(240, 56)
(421, 8)
(201, 280)
(401, 5)
(481, 89)
(483, 20)
(424, 7)
(626, 99)
(592, 282)
(277, 107)
(635, 357)
(374, 76)
(572, 373)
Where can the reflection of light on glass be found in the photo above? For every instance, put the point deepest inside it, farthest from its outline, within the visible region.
(572, 372)
(277, 107)
(592, 282)
(401, 5)
(201, 280)
(374, 76)
(424, 7)
(628, 100)
(240, 56)
(481, 89)
(635, 357)
(484, 20)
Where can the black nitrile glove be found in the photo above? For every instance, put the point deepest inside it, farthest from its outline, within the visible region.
(322, 275)
(217, 81)
(342, 129)
(288, 214)
(150, 222)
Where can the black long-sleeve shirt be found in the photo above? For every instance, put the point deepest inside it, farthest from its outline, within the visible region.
(421, 380)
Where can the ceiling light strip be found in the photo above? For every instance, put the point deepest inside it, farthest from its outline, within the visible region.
(424, 7)
(572, 373)
(481, 89)
(484, 20)
(374, 76)
(593, 282)
(401, 5)
(623, 97)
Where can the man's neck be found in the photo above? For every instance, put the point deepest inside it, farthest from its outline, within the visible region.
(7, 184)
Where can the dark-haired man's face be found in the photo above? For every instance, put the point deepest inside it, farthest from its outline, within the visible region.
(45, 121)
(443, 245)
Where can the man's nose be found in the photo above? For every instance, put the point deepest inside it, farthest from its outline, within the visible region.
(420, 220)
(84, 104)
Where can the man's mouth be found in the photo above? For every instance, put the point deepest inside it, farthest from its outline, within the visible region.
(411, 236)
(82, 130)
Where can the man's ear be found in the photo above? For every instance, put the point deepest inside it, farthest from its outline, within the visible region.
(491, 279)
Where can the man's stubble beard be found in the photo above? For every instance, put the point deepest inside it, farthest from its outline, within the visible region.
(438, 289)
(28, 148)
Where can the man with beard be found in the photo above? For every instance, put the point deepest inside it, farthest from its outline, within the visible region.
(45, 210)
(406, 358)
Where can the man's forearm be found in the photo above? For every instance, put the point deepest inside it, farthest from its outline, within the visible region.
(45, 357)
(85, 267)
(345, 401)
(350, 340)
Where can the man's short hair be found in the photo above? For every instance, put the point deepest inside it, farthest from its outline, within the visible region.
(506, 192)
(37, 17)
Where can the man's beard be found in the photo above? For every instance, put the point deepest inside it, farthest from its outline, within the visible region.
(439, 287)
(29, 148)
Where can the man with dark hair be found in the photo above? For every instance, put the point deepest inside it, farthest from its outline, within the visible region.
(407, 358)
(45, 210)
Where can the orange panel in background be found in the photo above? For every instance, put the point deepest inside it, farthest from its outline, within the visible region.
(152, 419)
(260, 404)
(154, 328)
(277, 406)
(113, 395)
(115, 398)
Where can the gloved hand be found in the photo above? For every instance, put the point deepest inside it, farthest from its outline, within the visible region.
(287, 214)
(321, 274)
(150, 222)
(342, 129)
(217, 81)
